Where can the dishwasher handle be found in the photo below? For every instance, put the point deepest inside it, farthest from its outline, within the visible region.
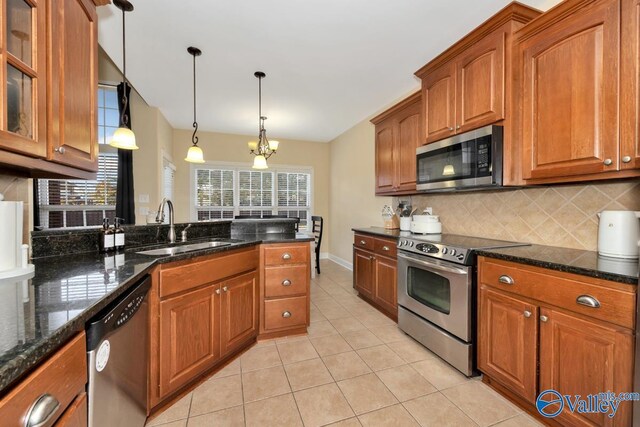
(117, 314)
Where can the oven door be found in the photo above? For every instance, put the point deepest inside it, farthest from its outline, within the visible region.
(437, 291)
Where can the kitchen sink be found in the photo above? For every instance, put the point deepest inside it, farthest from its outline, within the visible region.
(175, 250)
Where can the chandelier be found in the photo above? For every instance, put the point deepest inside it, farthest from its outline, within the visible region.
(263, 148)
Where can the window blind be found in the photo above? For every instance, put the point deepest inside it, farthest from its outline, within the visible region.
(168, 177)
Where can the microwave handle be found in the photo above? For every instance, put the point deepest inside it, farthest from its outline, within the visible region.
(433, 266)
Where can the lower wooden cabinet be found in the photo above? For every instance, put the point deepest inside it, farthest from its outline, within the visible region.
(375, 272)
(534, 335)
(201, 311)
(62, 380)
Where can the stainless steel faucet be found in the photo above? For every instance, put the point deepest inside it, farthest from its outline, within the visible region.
(160, 219)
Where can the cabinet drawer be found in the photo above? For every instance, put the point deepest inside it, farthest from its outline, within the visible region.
(562, 290)
(385, 247)
(285, 281)
(275, 312)
(283, 255)
(364, 242)
(63, 376)
(183, 276)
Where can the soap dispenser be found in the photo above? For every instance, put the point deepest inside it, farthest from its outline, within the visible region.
(119, 234)
(107, 241)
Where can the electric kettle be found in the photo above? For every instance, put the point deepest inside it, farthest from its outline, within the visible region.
(619, 234)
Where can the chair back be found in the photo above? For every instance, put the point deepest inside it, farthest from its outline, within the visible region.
(316, 227)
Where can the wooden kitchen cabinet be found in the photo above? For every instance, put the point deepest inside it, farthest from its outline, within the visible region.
(48, 120)
(201, 312)
(580, 357)
(285, 303)
(630, 84)
(63, 377)
(469, 85)
(189, 337)
(532, 317)
(570, 92)
(239, 312)
(398, 134)
(375, 272)
(507, 350)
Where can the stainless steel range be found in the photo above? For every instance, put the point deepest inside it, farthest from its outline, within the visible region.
(436, 293)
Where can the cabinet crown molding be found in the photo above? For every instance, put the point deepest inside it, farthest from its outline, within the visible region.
(557, 13)
(513, 12)
(397, 107)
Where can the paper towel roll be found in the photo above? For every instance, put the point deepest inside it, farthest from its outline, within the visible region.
(10, 235)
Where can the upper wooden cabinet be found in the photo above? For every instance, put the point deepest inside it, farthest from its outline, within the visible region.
(398, 134)
(48, 87)
(579, 92)
(468, 86)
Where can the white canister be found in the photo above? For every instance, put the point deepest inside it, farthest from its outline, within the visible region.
(11, 232)
(619, 234)
(405, 223)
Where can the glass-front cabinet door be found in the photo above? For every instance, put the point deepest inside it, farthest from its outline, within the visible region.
(22, 50)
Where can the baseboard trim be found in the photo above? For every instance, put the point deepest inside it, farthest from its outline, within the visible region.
(346, 264)
(324, 255)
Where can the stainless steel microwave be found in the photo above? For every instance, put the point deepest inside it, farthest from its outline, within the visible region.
(469, 160)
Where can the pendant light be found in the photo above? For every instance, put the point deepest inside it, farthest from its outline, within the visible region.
(263, 149)
(123, 137)
(194, 155)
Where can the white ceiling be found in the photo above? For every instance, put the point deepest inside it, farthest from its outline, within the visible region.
(329, 63)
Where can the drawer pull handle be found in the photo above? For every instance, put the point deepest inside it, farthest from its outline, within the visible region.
(286, 256)
(286, 314)
(60, 150)
(544, 319)
(363, 243)
(527, 314)
(385, 248)
(286, 282)
(507, 280)
(588, 301)
(42, 411)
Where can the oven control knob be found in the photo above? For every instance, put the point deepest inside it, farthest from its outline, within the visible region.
(461, 257)
(411, 244)
(444, 251)
(452, 252)
(400, 243)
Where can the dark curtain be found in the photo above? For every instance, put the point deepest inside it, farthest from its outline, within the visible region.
(125, 206)
(36, 204)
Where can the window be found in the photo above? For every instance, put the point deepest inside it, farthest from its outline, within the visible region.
(168, 177)
(222, 192)
(80, 203)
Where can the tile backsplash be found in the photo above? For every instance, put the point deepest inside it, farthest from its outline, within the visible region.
(19, 189)
(557, 216)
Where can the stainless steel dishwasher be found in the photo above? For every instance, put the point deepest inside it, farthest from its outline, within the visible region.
(117, 356)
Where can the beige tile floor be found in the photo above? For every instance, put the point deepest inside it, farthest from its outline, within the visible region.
(355, 368)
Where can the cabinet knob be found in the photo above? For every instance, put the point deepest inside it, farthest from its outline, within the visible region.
(218, 291)
(507, 280)
(286, 282)
(527, 314)
(458, 127)
(42, 410)
(385, 248)
(225, 289)
(286, 256)
(60, 150)
(286, 314)
(450, 129)
(362, 242)
(544, 318)
(607, 162)
(626, 159)
(588, 301)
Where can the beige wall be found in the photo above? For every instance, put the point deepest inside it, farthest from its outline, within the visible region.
(153, 135)
(220, 147)
(352, 187)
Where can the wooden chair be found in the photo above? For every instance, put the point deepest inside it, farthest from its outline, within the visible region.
(316, 228)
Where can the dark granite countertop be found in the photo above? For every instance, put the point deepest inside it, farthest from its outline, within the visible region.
(586, 263)
(383, 232)
(39, 314)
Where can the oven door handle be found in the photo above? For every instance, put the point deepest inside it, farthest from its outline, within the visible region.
(434, 266)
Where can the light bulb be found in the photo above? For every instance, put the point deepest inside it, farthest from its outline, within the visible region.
(124, 138)
(260, 162)
(448, 170)
(195, 155)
